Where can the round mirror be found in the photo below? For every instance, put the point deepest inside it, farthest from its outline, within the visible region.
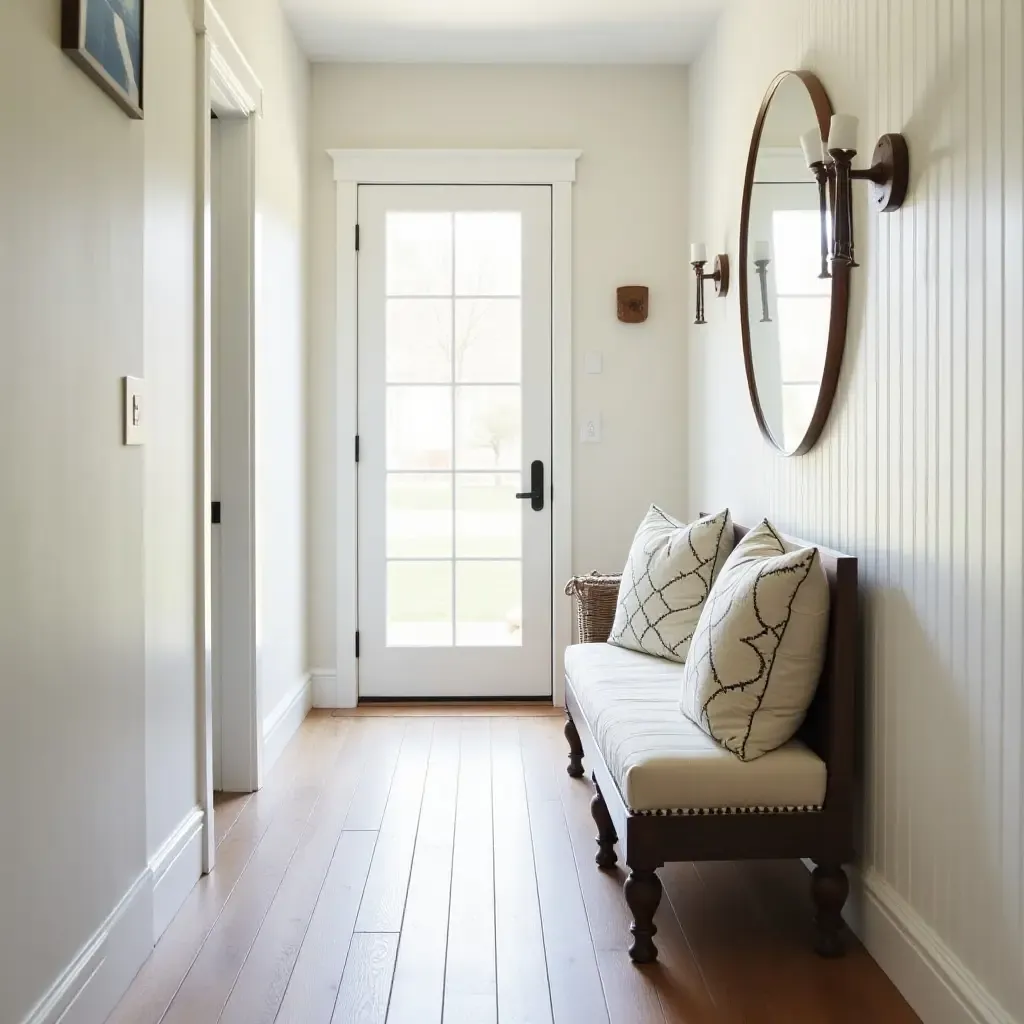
(793, 300)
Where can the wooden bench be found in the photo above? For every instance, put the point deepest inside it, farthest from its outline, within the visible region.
(651, 837)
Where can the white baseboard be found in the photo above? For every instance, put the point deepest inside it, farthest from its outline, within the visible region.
(283, 722)
(325, 688)
(91, 986)
(175, 868)
(936, 982)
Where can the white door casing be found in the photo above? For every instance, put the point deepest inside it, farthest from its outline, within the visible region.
(556, 168)
(454, 410)
(225, 83)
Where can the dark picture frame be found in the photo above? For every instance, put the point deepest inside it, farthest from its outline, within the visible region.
(105, 39)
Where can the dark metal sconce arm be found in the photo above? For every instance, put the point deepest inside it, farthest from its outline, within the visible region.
(889, 173)
(720, 277)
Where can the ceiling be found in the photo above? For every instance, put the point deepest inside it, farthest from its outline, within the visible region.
(503, 31)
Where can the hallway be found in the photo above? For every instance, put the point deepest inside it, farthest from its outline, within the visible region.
(404, 863)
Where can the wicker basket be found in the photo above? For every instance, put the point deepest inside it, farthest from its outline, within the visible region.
(596, 596)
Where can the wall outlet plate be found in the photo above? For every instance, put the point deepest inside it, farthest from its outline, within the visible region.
(132, 410)
(590, 429)
(594, 362)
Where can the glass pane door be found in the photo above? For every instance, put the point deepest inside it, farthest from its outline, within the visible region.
(447, 308)
(454, 399)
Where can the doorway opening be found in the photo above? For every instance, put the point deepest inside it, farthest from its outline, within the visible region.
(229, 100)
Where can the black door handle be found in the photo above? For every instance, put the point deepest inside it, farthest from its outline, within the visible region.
(536, 495)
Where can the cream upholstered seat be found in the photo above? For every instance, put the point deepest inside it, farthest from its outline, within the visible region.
(661, 761)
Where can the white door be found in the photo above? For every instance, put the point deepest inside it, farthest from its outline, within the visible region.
(455, 594)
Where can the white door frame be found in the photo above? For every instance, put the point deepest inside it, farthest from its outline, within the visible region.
(355, 167)
(227, 85)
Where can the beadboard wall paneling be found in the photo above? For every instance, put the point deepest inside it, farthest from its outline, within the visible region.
(919, 470)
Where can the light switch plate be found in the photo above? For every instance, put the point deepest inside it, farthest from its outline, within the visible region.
(132, 408)
(594, 362)
(590, 429)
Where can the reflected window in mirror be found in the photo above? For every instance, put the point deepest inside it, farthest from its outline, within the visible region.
(804, 304)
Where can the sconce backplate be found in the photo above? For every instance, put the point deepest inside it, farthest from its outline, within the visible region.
(891, 160)
(633, 303)
(721, 275)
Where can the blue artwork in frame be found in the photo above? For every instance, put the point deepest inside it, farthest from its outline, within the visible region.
(104, 37)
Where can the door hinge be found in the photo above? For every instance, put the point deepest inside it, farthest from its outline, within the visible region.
(357, 238)
(215, 513)
(357, 643)
(357, 447)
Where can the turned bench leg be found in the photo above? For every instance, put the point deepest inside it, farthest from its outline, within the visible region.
(829, 889)
(643, 894)
(606, 856)
(575, 767)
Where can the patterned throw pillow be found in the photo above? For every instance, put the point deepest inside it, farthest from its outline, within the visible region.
(759, 647)
(666, 581)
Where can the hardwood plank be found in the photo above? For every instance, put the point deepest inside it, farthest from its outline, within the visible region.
(209, 982)
(385, 737)
(384, 896)
(363, 996)
(470, 979)
(261, 984)
(727, 946)
(573, 976)
(417, 992)
(631, 994)
(158, 980)
(682, 989)
(313, 988)
(226, 809)
(522, 980)
(676, 981)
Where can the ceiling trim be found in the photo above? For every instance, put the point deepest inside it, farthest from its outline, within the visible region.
(455, 166)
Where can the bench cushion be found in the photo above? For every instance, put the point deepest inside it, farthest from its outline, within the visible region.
(661, 761)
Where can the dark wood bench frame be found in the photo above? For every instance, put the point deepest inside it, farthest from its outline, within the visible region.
(826, 836)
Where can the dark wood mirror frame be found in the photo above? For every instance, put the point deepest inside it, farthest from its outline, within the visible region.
(840, 277)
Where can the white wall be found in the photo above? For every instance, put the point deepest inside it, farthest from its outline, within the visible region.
(97, 642)
(265, 38)
(630, 228)
(919, 471)
(72, 697)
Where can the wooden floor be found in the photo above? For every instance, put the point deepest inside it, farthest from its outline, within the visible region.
(428, 865)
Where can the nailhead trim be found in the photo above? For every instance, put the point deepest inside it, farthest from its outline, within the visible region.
(699, 812)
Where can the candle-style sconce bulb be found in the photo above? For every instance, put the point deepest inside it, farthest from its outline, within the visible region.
(698, 259)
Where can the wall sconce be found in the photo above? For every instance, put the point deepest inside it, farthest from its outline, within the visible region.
(889, 172)
(698, 257)
(816, 157)
(762, 257)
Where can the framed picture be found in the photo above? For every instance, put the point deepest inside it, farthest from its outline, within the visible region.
(104, 37)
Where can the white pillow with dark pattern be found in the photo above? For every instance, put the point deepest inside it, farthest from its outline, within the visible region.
(759, 647)
(667, 579)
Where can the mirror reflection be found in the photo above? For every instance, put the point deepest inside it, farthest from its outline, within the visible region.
(788, 281)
